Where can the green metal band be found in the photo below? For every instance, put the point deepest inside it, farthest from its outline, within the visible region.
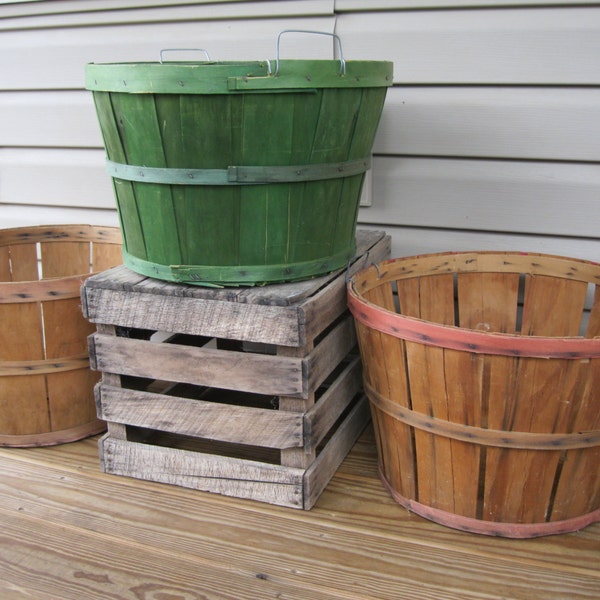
(226, 275)
(238, 175)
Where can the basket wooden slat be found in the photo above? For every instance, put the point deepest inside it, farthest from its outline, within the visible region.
(559, 317)
(46, 389)
(473, 429)
(23, 263)
(593, 329)
(62, 259)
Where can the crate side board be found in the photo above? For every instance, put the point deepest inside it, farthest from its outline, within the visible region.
(329, 352)
(199, 418)
(205, 472)
(217, 318)
(326, 464)
(330, 302)
(239, 477)
(340, 394)
(242, 371)
(282, 314)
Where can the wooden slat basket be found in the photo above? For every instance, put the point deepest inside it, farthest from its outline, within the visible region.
(483, 374)
(238, 173)
(46, 385)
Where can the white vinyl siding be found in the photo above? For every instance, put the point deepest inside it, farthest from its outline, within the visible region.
(490, 137)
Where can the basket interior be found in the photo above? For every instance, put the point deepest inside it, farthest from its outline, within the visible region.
(525, 300)
(32, 254)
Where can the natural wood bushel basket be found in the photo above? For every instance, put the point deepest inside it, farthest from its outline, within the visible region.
(46, 385)
(483, 375)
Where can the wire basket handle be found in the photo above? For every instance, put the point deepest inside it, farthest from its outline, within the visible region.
(184, 50)
(333, 35)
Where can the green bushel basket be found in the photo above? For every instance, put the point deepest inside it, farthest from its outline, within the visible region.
(238, 173)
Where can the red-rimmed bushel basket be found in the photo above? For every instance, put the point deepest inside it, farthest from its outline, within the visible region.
(46, 385)
(483, 374)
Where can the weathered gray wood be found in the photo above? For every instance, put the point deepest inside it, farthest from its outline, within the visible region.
(340, 394)
(329, 353)
(178, 336)
(297, 457)
(218, 318)
(275, 484)
(210, 420)
(117, 431)
(282, 314)
(329, 302)
(323, 469)
(228, 476)
(241, 371)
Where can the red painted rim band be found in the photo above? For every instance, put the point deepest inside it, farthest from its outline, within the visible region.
(467, 340)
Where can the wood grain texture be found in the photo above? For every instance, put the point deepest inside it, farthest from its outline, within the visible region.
(46, 385)
(322, 416)
(199, 366)
(226, 414)
(205, 419)
(219, 474)
(70, 531)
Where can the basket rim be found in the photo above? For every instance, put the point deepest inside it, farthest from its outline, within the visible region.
(107, 234)
(473, 261)
(233, 77)
(453, 337)
(52, 288)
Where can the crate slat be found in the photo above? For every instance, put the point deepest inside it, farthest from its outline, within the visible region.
(211, 420)
(198, 366)
(228, 476)
(322, 416)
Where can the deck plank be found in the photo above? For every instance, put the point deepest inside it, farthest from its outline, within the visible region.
(69, 529)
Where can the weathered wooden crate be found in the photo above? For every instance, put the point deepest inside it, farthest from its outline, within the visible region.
(249, 392)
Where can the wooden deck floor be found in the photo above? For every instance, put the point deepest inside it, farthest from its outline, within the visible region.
(70, 531)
